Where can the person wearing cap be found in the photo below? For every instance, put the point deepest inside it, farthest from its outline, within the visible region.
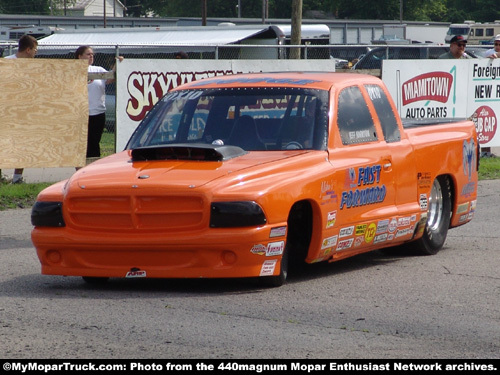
(457, 49)
(494, 52)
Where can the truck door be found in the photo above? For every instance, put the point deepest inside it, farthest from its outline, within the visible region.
(364, 175)
(402, 156)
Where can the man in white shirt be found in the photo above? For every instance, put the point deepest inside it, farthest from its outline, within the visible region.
(494, 53)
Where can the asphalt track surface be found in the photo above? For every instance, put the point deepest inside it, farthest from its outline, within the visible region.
(376, 305)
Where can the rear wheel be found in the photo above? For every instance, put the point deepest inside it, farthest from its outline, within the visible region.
(438, 218)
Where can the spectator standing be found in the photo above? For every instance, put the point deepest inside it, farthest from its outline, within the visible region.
(97, 101)
(494, 53)
(457, 49)
(27, 48)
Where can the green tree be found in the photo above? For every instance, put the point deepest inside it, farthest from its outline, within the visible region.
(42, 7)
(25, 6)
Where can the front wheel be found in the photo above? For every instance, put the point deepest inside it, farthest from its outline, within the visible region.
(279, 280)
(438, 218)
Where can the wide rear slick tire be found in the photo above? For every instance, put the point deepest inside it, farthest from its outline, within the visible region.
(438, 218)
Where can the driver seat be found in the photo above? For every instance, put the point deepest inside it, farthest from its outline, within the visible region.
(245, 135)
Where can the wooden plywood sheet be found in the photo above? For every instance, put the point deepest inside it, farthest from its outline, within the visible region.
(43, 113)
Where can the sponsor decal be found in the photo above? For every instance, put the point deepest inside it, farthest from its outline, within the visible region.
(327, 252)
(435, 86)
(327, 195)
(403, 232)
(468, 189)
(346, 232)
(358, 241)
(469, 158)
(382, 226)
(370, 232)
(361, 229)
(268, 267)
(424, 180)
(369, 175)
(345, 244)
(404, 221)
(135, 273)
(331, 217)
(258, 249)
(390, 236)
(275, 248)
(421, 223)
(473, 205)
(471, 215)
(329, 242)
(393, 225)
(463, 218)
(380, 238)
(277, 232)
(423, 202)
(486, 122)
(464, 207)
(259, 80)
(350, 179)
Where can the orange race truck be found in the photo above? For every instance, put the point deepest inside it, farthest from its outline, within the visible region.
(246, 175)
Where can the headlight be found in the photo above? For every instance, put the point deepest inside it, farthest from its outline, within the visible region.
(236, 214)
(47, 214)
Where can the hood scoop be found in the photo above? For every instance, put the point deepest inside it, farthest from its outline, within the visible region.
(182, 151)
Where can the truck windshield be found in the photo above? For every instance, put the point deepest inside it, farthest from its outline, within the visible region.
(255, 119)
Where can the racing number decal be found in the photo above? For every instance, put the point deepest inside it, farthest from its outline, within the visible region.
(370, 232)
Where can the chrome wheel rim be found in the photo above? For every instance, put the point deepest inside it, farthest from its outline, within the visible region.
(435, 211)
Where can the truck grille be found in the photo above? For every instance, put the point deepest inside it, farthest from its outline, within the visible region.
(168, 213)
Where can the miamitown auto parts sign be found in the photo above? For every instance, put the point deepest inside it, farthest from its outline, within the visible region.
(448, 89)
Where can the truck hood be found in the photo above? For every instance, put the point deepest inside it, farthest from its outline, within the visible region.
(120, 171)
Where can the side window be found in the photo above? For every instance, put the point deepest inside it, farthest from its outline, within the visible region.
(353, 118)
(385, 114)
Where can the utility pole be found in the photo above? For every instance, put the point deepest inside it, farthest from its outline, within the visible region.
(203, 12)
(296, 28)
(265, 10)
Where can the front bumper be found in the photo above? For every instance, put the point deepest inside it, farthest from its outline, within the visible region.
(215, 253)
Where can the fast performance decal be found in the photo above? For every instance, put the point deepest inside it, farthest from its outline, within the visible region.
(369, 175)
